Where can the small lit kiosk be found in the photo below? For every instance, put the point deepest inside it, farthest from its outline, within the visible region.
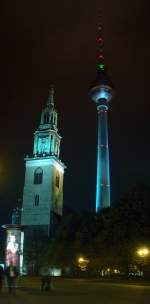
(14, 241)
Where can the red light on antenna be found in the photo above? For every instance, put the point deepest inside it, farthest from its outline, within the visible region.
(101, 57)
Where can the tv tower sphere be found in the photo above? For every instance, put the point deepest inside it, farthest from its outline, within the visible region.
(101, 93)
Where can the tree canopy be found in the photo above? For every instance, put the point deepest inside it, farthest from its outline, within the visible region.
(110, 237)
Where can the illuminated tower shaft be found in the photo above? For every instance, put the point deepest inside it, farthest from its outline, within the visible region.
(101, 93)
(103, 179)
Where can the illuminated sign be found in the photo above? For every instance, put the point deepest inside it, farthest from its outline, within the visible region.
(14, 247)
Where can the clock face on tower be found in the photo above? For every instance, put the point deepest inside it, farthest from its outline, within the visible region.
(43, 145)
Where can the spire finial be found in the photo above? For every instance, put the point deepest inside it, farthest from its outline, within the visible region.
(50, 101)
(101, 64)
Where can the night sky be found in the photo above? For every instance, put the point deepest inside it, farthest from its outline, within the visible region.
(54, 42)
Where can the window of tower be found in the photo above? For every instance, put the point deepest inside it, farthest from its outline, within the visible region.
(57, 179)
(51, 141)
(46, 119)
(51, 119)
(56, 148)
(38, 176)
(36, 200)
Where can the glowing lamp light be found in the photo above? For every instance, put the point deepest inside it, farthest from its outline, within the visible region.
(81, 260)
(116, 271)
(143, 252)
(83, 263)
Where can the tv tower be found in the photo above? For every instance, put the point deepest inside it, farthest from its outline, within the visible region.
(101, 92)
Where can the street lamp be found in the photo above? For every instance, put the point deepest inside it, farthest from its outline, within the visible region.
(80, 260)
(143, 252)
(82, 263)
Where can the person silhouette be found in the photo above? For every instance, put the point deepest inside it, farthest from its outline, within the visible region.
(11, 274)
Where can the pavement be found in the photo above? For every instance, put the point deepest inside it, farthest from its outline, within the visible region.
(76, 291)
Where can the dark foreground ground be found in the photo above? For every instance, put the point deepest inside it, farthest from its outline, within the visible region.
(76, 291)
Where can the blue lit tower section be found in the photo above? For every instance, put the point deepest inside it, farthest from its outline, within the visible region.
(101, 93)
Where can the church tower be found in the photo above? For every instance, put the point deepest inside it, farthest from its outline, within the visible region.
(43, 187)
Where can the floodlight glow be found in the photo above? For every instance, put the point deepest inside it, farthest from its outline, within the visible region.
(143, 252)
(80, 260)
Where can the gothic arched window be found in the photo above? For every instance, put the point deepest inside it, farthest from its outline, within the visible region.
(57, 179)
(36, 200)
(38, 176)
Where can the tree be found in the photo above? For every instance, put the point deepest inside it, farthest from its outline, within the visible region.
(107, 239)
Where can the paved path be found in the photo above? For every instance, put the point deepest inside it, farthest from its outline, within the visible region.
(76, 291)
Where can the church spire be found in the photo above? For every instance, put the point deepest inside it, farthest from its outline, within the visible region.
(49, 114)
(46, 138)
(50, 101)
